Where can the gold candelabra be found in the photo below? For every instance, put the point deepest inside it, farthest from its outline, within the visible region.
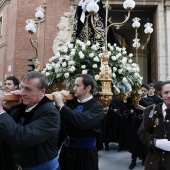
(105, 75)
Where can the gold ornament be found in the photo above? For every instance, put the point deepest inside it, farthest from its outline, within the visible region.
(156, 122)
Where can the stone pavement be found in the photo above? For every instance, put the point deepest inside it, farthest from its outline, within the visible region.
(114, 160)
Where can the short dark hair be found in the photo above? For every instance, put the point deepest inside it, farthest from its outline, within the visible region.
(14, 79)
(43, 81)
(88, 80)
(146, 86)
(151, 85)
(164, 83)
(158, 85)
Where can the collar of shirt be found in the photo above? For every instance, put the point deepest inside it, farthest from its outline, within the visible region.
(85, 100)
(144, 96)
(164, 109)
(29, 109)
(150, 94)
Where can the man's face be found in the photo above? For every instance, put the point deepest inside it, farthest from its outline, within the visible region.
(9, 86)
(79, 90)
(144, 91)
(151, 91)
(31, 95)
(166, 94)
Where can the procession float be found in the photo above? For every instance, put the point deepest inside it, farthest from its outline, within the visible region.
(92, 51)
(91, 47)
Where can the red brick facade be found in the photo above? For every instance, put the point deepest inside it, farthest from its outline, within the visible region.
(15, 45)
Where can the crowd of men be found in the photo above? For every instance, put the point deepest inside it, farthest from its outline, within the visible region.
(142, 129)
(30, 129)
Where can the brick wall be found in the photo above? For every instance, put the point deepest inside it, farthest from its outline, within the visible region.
(3, 40)
(18, 47)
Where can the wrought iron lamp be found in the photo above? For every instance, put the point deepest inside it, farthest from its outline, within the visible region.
(92, 9)
(73, 3)
(32, 27)
(148, 30)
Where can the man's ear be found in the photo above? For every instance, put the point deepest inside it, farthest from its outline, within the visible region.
(88, 88)
(43, 90)
(16, 87)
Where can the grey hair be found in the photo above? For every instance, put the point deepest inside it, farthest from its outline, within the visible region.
(43, 81)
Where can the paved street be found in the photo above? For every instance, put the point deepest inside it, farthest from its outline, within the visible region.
(114, 160)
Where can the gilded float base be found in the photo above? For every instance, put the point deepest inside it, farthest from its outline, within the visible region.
(105, 99)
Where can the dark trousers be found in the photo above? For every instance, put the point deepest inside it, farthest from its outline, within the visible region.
(162, 167)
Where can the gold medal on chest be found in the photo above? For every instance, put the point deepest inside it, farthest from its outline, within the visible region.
(156, 122)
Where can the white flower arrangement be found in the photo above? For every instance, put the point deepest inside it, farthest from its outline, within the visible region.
(86, 59)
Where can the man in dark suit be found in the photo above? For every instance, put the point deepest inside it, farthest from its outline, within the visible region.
(154, 132)
(32, 126)
(82, 122)
(136, 147)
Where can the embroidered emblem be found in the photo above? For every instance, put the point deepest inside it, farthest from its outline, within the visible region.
(89, 33)
(156, 122)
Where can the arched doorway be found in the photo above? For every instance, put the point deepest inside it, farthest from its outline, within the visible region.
(146, 57)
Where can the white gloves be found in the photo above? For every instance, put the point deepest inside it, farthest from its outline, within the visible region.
(163, 144)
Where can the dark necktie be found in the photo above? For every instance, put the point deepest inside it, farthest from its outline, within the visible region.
(167, 114)
(166, 123)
